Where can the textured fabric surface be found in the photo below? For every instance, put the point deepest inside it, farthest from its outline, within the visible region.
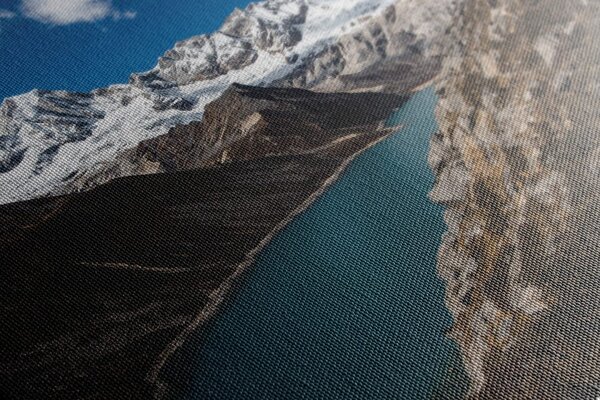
(301, 199)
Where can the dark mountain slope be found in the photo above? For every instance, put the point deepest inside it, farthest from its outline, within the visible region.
(99, 288)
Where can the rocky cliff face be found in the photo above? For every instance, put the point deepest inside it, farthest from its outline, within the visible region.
(52, 141)
(274, 27)
(396, 50)
(516, 162)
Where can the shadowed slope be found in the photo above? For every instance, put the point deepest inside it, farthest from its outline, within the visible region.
(99, 288)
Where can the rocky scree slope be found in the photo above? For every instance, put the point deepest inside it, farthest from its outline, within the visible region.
(516, 162)
(241, 125)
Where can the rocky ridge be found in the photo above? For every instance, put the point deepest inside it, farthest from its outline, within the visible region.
(516, 164)
(253, 130)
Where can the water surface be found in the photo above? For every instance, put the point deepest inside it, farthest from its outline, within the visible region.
(345, 302)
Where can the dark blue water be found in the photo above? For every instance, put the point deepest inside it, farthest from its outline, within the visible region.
(345, 302)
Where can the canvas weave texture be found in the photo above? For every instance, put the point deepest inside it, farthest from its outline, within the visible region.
(300, 199)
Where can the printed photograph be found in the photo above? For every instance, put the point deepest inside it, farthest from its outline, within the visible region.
(300, 199)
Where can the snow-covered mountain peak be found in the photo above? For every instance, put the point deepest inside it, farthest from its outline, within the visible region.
(276, 27)
(50, 139)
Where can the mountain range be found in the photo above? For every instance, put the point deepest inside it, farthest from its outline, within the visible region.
(235, 133)
(106, 272)
(54, 142)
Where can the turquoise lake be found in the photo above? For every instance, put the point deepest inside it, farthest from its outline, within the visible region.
(345, 302)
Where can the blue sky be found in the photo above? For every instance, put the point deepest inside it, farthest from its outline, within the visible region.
(84, 44)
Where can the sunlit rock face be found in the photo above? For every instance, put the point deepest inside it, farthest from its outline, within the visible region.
(406, 37)
(516, 161)
(244, 123)
(274, 26)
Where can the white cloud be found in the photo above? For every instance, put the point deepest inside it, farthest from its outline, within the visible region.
(65, 12)
(6, 14)
(117, 15)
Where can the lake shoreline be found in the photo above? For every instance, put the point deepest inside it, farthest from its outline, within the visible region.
(106, 282)
(265, 306)
(228, 287)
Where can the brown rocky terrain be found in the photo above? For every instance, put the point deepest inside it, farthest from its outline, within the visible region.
(517, 169)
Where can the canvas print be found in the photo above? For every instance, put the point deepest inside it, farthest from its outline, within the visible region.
(300, 199)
